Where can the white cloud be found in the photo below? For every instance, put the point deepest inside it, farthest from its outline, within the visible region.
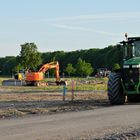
(105, 16)
(77, 28)
(62, 26)
(94, 17)
(68, 23)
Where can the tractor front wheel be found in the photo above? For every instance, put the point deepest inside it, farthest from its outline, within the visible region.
(115, 90)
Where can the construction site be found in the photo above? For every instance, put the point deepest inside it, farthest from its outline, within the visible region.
(69, 70)
(30, 94)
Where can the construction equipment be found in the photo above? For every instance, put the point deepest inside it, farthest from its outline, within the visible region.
(102, 72)
(17, 79)
(125, 82)
(35, 78)
(18, 76)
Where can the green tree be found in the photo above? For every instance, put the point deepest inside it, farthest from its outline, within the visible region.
(30, 58)
(116, 66)
(88, 71)
(70, 69)
(83, 68)
(8, 65)
(17, 68)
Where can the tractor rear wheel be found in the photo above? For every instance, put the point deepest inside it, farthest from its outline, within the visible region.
(115, 90)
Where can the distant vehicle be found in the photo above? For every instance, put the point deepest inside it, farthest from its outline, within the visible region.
(102, 72)
(19, 75)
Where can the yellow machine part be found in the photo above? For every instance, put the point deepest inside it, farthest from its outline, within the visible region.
(19, 76)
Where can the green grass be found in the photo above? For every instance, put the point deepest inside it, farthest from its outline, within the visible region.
(91, 87)
(82, 84)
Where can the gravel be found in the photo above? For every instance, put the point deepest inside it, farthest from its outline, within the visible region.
(129, 135)
(134, 135)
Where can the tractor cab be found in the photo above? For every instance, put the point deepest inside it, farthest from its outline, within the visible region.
(131, 48)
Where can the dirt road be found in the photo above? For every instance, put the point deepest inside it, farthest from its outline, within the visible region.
(72, 125)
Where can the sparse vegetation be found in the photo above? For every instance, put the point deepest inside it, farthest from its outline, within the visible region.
(82, 84)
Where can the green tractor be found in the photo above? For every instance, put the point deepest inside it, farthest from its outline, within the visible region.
(126, 81)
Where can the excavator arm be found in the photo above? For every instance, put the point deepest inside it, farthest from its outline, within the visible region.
(51, 65)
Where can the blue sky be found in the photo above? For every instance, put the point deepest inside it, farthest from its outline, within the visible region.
(66, 25)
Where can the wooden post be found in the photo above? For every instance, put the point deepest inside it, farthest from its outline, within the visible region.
(64, 92)
(72, 85)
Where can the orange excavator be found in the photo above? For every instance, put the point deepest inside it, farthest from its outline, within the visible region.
(35, 78)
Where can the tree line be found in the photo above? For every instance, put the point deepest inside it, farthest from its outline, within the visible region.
(76, 63)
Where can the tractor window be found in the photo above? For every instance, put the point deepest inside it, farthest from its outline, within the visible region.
(137, 48)
(128, 52)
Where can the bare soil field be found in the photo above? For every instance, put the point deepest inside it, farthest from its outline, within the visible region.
(22, 103)
(19, 104)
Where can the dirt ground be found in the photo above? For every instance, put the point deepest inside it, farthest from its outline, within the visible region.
(23, 104)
